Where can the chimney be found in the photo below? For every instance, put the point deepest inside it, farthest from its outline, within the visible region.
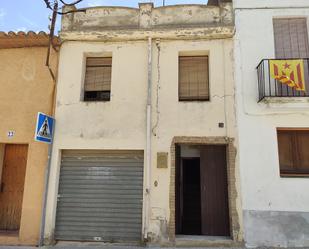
(145, 14)
(217, 2)
(213, 2)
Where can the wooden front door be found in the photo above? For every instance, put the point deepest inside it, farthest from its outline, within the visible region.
(214, 194)
(12, 186)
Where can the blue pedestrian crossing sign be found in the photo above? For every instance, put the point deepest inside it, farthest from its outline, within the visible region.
(44, 128)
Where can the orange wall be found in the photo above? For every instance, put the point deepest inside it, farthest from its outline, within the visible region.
(26, 88)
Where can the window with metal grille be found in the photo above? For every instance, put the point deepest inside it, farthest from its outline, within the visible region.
(193, 78)
(293, 152)
(98, 79)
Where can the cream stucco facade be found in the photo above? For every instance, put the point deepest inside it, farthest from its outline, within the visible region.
(26, 88)
(120, 124)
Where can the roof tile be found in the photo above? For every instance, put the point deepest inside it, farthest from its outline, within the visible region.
(25, 39)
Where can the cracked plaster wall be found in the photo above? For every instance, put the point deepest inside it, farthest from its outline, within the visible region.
(120, 123)
(147, 17)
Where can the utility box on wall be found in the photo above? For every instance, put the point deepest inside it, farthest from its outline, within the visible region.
(162, 160)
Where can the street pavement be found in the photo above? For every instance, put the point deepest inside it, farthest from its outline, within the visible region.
(100, 246)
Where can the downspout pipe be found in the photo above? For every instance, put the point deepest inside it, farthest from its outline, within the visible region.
(50, 148)
(148, 142)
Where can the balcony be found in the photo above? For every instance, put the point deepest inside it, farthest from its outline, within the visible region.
(293, 75)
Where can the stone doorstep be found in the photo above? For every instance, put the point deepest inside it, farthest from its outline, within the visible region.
(205, 241)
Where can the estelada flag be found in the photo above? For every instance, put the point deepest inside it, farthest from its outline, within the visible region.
(289, 72)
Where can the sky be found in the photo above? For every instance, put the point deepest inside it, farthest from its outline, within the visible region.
(26, 15)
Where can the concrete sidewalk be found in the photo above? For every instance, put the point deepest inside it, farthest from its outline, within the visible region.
(107, 246)
(113, 247)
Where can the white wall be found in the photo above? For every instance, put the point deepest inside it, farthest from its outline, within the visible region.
(120, 123)
(258, 121)
(273, 4)
(262, 187)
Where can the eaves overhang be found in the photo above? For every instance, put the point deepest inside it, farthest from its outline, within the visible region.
(26, 39)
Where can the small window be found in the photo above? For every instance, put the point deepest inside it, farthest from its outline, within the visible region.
(293, 152)
(98, 79)
(193, 78)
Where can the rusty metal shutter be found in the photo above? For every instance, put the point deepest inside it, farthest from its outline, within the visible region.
(291, 38)
(100, 196)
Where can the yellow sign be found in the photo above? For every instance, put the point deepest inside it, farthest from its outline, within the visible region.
(289, 72)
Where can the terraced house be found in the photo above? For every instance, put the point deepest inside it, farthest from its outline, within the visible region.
(26, 88)
(271, 58)
(145, 145)
(181, 125)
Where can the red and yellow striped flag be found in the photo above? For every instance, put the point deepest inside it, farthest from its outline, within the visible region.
(289, 72)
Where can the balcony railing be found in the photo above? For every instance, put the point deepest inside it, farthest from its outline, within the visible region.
(270, 87)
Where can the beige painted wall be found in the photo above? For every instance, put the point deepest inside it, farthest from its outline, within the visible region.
(1, 159)
(26, 88)
(121, 123)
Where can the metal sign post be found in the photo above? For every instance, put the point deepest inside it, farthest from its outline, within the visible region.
(44, 132)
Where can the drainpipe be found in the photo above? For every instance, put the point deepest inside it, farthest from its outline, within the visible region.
(49, 155)
(148, 143)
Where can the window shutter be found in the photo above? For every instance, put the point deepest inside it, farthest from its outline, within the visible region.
(285, 147)
(291, 42)
(293, 151)
(303, 152)
(98, 74)
(193, 78)
(291, 38)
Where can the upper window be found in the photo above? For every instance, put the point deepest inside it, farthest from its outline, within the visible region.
(293, 152)
(98, 79)
(193, 78)
(291, 38)
(288, 75)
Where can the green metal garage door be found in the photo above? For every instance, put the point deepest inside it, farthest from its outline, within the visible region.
(100, 196)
